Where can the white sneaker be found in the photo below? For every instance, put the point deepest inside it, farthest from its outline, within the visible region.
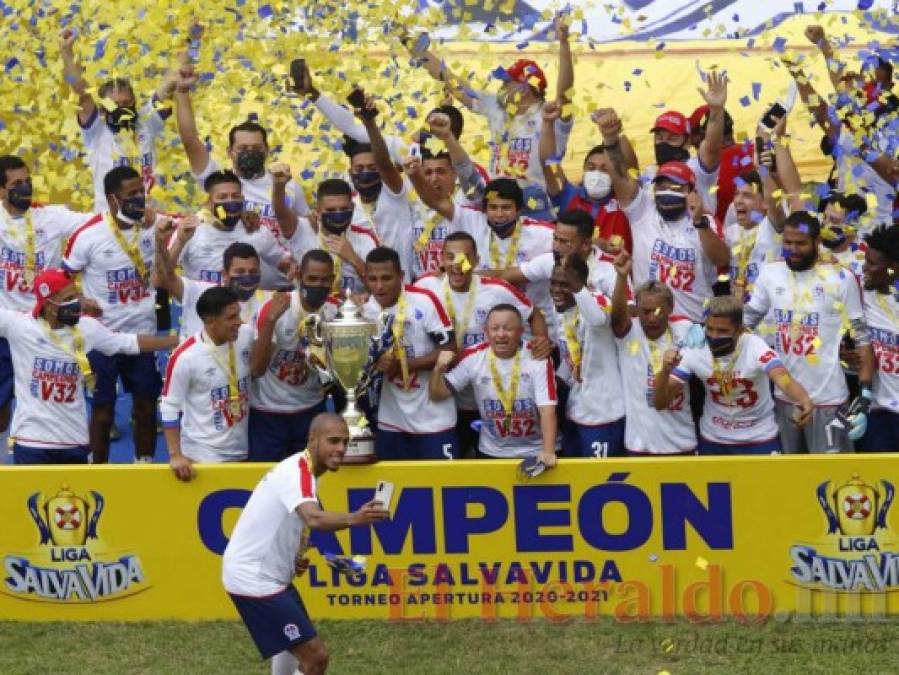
(143, 460)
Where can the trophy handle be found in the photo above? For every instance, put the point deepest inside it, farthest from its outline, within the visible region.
(314, 326)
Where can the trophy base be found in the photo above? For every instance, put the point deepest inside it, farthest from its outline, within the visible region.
(361, 448)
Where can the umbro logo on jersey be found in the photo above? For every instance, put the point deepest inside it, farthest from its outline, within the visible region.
(779, 290)
(210, 371)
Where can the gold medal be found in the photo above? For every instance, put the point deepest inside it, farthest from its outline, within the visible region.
(28, 275)
(234, 407)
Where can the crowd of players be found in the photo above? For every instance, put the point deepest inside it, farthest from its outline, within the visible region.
(709, 304)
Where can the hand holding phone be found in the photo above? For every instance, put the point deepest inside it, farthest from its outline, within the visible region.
(384, 495)
(357, 100)
(298, 73)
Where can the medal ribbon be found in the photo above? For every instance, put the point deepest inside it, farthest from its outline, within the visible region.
(725, 376)
(506, 396)
(76, 351)
(422, 242)
(571, 341)
(230, 370)
(461, 326)
(655, 354)
(399, 331)
(337, 286)
(884, 303)
(131, 249)
(511, 254)
(30, 246)
(747, 245)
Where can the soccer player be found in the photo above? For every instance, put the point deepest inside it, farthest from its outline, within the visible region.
(641, 344)
(269, 544)
(839, 234)
(205, 400)
(31, 240)
(223, 221)
(516, 394)
(813, 304)
(595, 406)
(675, 242)
(113, 252)
(49, 348)
(736, 369)
(240, 273)
(881, 273)
(410, 426)
(467, 299)
(287, 393)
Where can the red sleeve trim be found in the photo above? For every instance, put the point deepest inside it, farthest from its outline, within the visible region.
(263, 313)
(472, 350)
(170, 368)
(364, 230)
(306, 491)
(678, 317)
(90, 223)
(530, 222)
(441, 311)
(521, 297)
(551, 380)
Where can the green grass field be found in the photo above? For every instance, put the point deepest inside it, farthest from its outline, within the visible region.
(462, 647)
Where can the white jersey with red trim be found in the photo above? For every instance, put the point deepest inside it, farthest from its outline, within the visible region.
(191, 323)
(106, 150)
(52, 224)
(426, 257)
(601, 272)
(706, 181)
(672, 253)
(537, 387)
(202, 257)
(411, 409)
(811, 310)
(743, 411)
(489, 292)
(261, 554)
(111, 278)
(535, 237)
(362, 239)
(196, 393)
(290, 384)
(752, 247)
(853, 258)
(882, 314)
(649, 431)
(596, 395)
(393, 218)
(51, 411)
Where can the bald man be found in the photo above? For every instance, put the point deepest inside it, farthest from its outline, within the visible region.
(268, 549)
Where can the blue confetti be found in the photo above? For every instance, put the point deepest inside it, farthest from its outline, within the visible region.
(865, 4)
(745, 101)
(12, 63)
(779, 45)
(756, 90)
(637, 71)
(798, 8)
(265, 11)
(660, 46)
(411, 112)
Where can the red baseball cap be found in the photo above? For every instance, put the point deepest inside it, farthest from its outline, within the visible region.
(698, 115)
(672, 121)
(676, 171)
(46, 284)
(527, 71)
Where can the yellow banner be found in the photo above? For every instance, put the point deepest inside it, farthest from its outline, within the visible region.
(701, 538)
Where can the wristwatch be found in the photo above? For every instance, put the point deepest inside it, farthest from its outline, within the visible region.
(702, 223)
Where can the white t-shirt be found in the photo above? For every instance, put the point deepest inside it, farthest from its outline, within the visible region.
(745, 414)
(289, 384)
(596, 398)
(853, 258)
(49, 386)
(426, 259)
(191, 323)
(202, 257)
(196, 392)
(411, 410)
(706, 181)
(515, 140)
(489, 292)
(882, 314)
(649, 431)
(537, 387)
(269, 535)
(52, 224)
(110, 277)
(536, 237)
(809, 348)
(671, 252)
(362, 239)
(394, 219)
(106, 150)
(753, 247)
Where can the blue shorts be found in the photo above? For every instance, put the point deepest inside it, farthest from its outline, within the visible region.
(604, 440)
(140, 378)
(275, 622)
(395, 445)
(882, 434)
(6, 375)
(26, 454)
(706, 447)
(275, 436)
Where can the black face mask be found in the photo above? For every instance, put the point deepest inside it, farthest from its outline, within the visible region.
(314, 296)
(20, 195)
(721, 346)
(502, 230)
(336, 222)
(665, 152)
(132, 209)
(251, 163)
(122, 118)
(233, 211)
(839, 236)
(671, 205)
(244, 286)
(367, 184)
(68, 313)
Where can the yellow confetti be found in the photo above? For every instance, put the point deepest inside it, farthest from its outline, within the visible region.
(633, 347)
(702, 563)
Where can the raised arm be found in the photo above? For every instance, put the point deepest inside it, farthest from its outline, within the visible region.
(442, 204)
(438, 70)
(328, 521)
(264, 344)
(817, 37)
(197, 154)
(470, 179)
(565, 85)
(716, 96)
(666, 388)
(713, 246)
(74, 75)
(817, 106)
(286, 217)
(551, 163)
(164, 267)
(438, 389)
(621, 318)
(624, 185)
(389, 173)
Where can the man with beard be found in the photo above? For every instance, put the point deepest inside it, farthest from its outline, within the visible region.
(813, 304)
(881, 272)
(675, 241)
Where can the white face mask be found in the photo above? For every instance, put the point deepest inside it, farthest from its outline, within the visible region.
(597, 184)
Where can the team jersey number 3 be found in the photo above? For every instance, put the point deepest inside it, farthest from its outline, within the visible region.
(742, 393)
